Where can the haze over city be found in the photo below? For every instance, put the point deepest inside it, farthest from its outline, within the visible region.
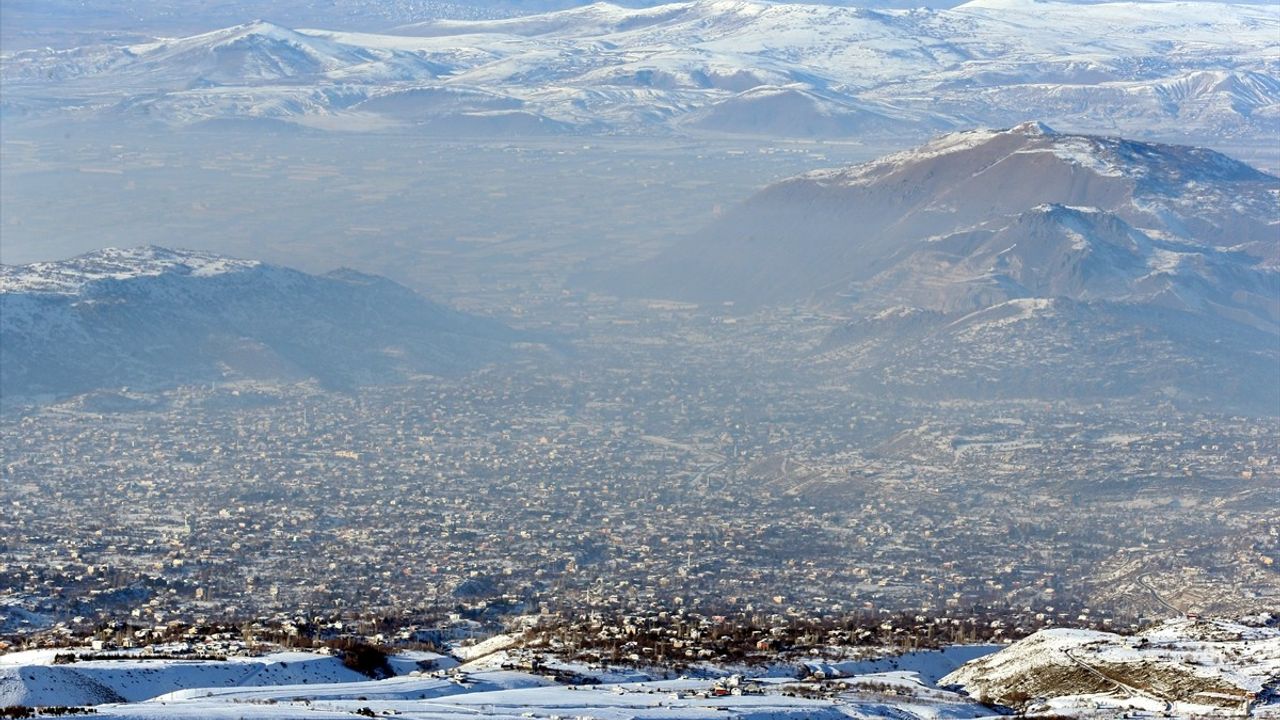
(631, 360)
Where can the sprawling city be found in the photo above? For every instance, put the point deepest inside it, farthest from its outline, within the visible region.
(654, 360)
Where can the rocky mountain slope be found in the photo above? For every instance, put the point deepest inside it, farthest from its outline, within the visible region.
(719, 66)
(151, 317)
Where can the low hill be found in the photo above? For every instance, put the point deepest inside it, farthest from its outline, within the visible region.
(1208, 668)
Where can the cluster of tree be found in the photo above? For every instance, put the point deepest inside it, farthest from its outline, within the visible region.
(364, 658)
(22, 711)
(68, 657)
(676, 639)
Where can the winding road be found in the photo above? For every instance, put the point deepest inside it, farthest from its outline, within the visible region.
(1142, 582)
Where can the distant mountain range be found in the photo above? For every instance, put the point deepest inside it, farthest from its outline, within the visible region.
(151, 317)
(34, 23)
(710, 66)
(1014, 262)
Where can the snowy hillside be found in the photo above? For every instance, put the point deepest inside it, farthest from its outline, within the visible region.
(300, 685)
(153, 317)
(79, 275)
(1182, 666)
(1209, 666)
(721, 66)
(30, 679)
(1206, 668)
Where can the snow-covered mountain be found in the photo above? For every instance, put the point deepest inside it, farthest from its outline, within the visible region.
(151, 317)
(1183, 668)
(1011, 263)
(723, 66)
(979, 217)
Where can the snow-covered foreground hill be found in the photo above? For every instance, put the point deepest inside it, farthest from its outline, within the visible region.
(31, 678)
(1213, 668)
(722, 66)
(305, 686)
(895, 696)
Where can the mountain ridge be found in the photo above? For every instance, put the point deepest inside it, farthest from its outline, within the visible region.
(829, 228)
(704, 67)
(155, 317)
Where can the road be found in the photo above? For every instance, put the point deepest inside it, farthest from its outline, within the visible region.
(1142, 582)
(1129, 690)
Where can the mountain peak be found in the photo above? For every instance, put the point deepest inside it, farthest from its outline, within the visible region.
(264, 36)
(260, 25)
(1033, 128)
(1028, 152)
(70, 277)
(239, 33)
(1053, 209)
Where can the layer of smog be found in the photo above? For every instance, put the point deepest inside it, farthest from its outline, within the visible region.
(733, 359)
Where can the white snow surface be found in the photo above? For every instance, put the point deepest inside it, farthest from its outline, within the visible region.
(302, 685)
(31, 679)
(903, 687)
(70, 277)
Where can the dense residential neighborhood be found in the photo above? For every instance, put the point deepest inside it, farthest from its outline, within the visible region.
(562, 489)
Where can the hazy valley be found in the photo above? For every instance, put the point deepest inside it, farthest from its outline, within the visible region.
(653, 360)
